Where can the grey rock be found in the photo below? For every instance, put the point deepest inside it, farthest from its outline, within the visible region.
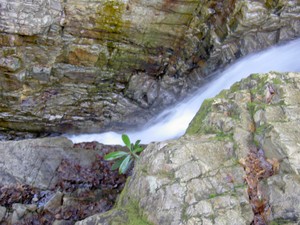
(35, 162)
(19, 211)
(54, 203)
(29, 18)
(62, 222)
(2, 212)
(197, 179)
(10, 64)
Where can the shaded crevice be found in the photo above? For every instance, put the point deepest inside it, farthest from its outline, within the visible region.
(257, 168)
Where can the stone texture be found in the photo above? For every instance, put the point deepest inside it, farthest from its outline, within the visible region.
(54, 202)
(86, 66)
(35, 162)
(197, 179)
(2, 213)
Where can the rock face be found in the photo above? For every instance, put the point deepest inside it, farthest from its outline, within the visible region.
(83, 66)
(29, 161)
(200, 178)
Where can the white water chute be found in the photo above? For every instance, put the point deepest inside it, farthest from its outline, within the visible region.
(173, 122)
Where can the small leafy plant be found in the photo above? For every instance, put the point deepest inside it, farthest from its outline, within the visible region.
(125, 159)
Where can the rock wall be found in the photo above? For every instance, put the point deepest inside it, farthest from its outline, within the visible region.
(86, 66)
(202, 178)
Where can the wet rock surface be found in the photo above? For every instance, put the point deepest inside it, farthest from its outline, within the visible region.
(87, 66)
(69, 184)
(238, 158)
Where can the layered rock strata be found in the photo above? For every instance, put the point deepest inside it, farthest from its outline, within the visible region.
(86, 66)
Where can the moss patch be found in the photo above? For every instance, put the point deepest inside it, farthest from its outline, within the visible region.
(196, 124)
(281, 221)
(277, 81)
(231, 193)
(134, 214)
(109, 16)
(221, 136)
(130, 207)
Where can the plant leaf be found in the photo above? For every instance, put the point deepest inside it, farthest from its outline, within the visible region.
(138, 149)
(117, 164)
(137, 143)
(115, 155)
(126, 141)
(125, 164)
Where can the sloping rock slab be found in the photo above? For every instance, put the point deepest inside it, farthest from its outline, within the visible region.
(198, 179)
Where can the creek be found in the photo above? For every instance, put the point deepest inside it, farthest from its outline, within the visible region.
(173, 122)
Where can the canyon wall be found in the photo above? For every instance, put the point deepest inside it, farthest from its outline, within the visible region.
(89, 66)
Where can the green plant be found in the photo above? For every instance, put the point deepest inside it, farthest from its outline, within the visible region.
(125, 158)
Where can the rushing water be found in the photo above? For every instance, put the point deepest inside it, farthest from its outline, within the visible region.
(173, 122)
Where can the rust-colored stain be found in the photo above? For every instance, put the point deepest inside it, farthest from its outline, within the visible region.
(222, 11)
(168, 4)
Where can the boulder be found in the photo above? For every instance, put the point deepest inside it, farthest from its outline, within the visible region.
(52, 181)
(35, 161)
(2, 212)
(202, 177)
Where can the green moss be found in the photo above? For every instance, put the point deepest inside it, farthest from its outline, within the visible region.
(277, 81)
(168, 175)
(281, 221)
(251, 107)
(242, 186)
(221, 136)
(262, 129)
(257, 143)
(235, 87)
(109, 16)
(233, 24)
(212, 217)
(255, 75)
(213, 195)
(197, 123)
(275, 5)
(222, 94)
(131, 208)
(184, 216)
(261, 81)
(231, 193)
(8, 52)
(134, 215)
